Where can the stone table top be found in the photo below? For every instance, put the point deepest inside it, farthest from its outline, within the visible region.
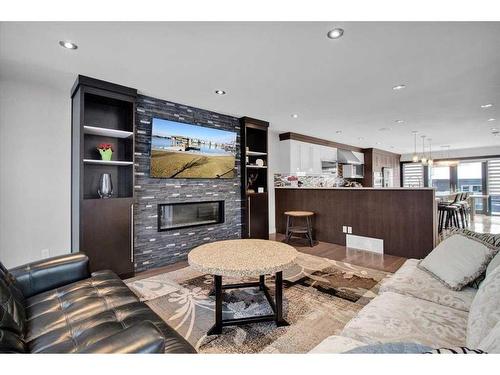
(240, 258)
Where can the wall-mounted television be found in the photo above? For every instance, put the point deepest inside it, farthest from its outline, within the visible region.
(180, 150)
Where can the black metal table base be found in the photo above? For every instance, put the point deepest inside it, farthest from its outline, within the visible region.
(276, 304)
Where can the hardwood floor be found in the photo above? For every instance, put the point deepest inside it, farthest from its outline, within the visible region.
(368, 259)
(388, 263)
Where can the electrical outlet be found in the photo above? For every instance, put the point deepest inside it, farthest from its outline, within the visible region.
(349, 230)
(344, 229)
(45, 253)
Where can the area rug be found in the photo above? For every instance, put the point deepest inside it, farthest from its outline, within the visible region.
(320, 297)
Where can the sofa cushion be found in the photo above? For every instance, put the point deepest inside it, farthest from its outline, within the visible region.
(484, 312)
(11, 342)
(393, 317)
(413, 281)
(77, 316)
(11, 310)
(75, 302)
(491, 343)
(10, 281)
(458, 260)
(335, 345)
(495, 262)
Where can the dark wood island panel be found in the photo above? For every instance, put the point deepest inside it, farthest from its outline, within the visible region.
(404, 218)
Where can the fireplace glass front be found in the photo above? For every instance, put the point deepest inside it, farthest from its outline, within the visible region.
(189, 214)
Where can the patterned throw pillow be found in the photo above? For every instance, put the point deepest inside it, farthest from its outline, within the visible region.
(488, 238)
(456, 350)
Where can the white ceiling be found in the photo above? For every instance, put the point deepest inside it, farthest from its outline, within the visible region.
(272, 70)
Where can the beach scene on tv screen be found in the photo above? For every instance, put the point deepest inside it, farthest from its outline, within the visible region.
(181, 150)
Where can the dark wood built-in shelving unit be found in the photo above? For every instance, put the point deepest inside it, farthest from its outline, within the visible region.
(254, 145)
(103, 112)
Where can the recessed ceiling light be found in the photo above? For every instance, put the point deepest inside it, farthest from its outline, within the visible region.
(220, 92)
(68, 45)
(295, 115)
(494, 129)
(339, 132)
(487, 105)
(399, 121)
(399, 87)
(491, 119)
(377, 143)
(360, 138)
(384, 129)
(335, 33)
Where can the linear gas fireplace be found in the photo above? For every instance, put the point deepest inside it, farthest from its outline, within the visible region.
(189, 214)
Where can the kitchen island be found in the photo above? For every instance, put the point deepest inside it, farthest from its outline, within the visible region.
(403, 218)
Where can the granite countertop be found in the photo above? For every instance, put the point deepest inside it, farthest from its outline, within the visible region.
(351, 188)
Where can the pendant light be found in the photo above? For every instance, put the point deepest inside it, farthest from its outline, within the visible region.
(430, 162)
(423, 159)
(415, 156)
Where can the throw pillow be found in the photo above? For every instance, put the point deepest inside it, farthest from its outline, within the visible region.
(458, 260)
(391, 348)
(456, 350)
(484, 313)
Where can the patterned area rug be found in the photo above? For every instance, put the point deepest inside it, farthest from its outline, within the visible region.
(320, 297)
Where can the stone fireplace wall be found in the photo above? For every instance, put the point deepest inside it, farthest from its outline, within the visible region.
(155, 249)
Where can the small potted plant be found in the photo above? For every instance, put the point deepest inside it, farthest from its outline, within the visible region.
(106, 151)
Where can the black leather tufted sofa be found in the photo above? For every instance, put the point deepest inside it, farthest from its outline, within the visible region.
(57, 306)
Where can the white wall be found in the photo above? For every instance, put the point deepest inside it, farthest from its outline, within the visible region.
(35, 170)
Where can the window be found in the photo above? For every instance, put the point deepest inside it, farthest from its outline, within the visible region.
(470, 179)
(413, 175)
(494, 185)
(440, 178)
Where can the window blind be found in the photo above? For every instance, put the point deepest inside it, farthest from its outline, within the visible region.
(413, 175)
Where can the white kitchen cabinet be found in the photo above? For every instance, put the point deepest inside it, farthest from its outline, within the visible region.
(304, 157)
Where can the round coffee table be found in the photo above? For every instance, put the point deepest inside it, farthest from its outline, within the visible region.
(245, 258)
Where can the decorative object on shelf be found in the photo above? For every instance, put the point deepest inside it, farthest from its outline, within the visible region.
(105, 186)
(259, 162)
(252, 178)
(106, 151)
(293, 180)
(260, 189)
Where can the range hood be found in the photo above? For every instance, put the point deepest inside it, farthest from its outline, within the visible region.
(347, 157)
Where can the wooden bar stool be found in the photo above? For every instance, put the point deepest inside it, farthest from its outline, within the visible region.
(299, 229)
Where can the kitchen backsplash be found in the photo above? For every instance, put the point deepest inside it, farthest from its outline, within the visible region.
(307, 180)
